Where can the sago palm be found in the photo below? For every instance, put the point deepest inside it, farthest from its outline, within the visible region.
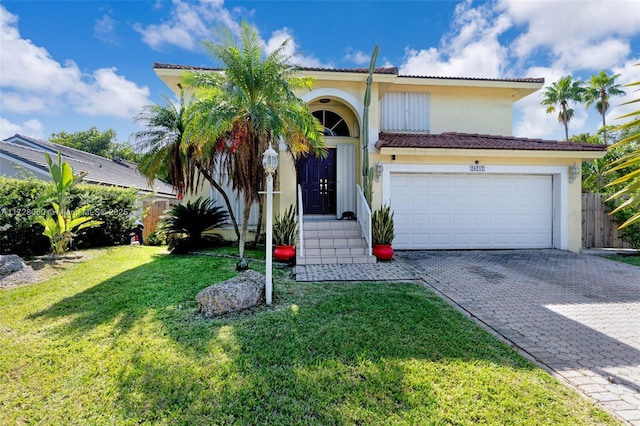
(599, 89)
(559, 95)
(248, 106)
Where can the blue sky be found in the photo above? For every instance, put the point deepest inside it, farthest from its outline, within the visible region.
(71, 65)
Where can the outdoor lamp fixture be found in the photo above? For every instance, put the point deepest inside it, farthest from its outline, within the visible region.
(574, 172)
(270, 164)
(378, 171)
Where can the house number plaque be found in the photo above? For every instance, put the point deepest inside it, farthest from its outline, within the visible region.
(476, 168)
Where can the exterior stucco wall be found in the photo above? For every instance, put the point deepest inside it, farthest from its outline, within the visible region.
(567, 195)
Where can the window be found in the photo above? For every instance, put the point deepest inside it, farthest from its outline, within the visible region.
(334, 125)
(405, 112)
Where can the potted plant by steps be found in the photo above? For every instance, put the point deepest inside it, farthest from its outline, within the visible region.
(285, 232)
(382, 232)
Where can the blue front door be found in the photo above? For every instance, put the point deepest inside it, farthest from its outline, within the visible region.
(317, 177)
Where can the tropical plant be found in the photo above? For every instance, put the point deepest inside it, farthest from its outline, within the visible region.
(167, 156)
(599, 88)
(285, 228)
(630, 193)
(62, 228)
(367, 176)
(382, 228)
(246, 108)
(184, 224)
(559, 95)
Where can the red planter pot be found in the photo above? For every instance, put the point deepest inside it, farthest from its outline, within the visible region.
(284, 253)
(382, 251)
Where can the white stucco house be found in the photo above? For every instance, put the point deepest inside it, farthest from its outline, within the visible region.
(443, 157)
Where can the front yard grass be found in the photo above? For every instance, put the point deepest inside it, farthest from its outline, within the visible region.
(117, 339)
(631, 260)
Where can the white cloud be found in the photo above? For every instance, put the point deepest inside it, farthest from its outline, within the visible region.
(472, 49)
(108, 93)
(104, 30)
(189, 23)
(357, 56)
(592, 34)
(32, 128)
(33, 81)
(629, 73)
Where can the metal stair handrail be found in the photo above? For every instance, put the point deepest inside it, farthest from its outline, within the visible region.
(300, 249)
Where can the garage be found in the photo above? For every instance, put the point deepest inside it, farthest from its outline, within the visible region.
(472, 211)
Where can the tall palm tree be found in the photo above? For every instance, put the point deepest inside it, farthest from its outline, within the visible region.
(560, 94)
(246, 108)
(166, 155)
(600, 87)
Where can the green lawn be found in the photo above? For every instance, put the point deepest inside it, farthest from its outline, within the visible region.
(631, 260)
(116, 339)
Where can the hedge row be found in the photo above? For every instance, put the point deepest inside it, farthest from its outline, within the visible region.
(22, 201)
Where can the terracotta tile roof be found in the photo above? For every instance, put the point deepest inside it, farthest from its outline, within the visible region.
(455, 140)
(513, 80)
(183, 67)
(380, 70)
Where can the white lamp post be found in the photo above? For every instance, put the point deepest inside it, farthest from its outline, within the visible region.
(270, 164)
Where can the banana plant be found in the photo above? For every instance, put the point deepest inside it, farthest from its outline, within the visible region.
(62, 228)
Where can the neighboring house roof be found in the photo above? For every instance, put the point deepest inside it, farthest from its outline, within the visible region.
(380, 70)
(100, 170)
(453, 140)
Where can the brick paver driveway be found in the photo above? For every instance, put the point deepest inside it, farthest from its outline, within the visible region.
(576, 315)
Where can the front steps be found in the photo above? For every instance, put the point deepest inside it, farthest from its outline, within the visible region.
(333, 242)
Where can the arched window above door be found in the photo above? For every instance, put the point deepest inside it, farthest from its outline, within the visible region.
(333, 123)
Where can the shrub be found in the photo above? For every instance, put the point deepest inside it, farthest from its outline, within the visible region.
(184, 225)
(23, 200)
(631, 233)
(382, 229)
(155, 239)
(115, 207)
(285, 228)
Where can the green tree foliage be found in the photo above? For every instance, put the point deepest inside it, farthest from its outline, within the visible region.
(165, 154)
(63, 225)
(192, 219)
(96, 142)
(22, 201)
(629, 164)
(559, 96)
(598, 90)
(240, 112)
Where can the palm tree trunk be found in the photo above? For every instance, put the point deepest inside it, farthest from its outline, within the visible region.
(217, 186)
(245, 227)
(259, 226)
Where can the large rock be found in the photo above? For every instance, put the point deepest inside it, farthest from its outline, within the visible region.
(236, 294)
(13, 271)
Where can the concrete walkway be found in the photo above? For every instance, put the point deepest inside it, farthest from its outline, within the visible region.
(575, 315)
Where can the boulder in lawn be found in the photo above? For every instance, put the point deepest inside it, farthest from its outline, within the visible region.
(13, 271)
(238, 293)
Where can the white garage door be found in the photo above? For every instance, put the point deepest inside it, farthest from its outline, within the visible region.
(461, 211)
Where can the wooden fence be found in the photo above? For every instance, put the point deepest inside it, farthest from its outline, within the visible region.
(154, 212)
(598, 228)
